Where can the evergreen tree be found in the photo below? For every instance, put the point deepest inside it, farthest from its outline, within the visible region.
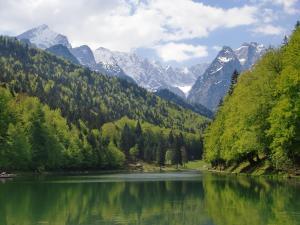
(297, 25)
(234, 79)
(285, 41)
(127, 141)
(160, 152)
(184, 155)
(138, 130)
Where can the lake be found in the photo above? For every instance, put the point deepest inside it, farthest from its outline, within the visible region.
(187, 198)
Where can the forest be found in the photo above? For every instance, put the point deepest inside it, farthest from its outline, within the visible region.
(57, 115)
(259, 119)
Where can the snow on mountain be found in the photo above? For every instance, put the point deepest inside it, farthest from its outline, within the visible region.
(43, 37)
(249, 53)
(150, 75)
(213, 85)
(185, 89)
(203, 83)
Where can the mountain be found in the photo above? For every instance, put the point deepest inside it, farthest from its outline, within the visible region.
(43, 37)
(112, 70)
(150, 75)
(62, 51)
(85, 56)
(170, 96)
(249, 53)
(175, 90)
(142, 71)
(210, 88)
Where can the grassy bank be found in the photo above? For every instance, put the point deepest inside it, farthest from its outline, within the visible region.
(147, 167)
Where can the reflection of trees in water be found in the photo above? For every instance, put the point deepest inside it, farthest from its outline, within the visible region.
(223, 200)
(108, 203)
(244, 200)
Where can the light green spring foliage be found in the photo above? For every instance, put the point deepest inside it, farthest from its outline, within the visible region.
(33, 137)
(261, 117)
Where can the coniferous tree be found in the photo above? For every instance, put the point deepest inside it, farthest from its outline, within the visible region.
(138, 130)
(285, 41)
(127, 140)
(297, 25)
(234, 79)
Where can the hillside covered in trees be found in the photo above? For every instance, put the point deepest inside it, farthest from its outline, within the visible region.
(55, 114)
(259, 121)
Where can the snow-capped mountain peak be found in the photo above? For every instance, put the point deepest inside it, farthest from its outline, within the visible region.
(148, 74)
(104, 55)
(43, 37)
(213, 85)
(249, 53)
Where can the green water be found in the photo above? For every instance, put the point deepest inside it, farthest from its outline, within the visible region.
(154, 199)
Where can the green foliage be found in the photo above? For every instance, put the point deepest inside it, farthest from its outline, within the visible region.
(260, 118)
(115, 157)
(145, 141)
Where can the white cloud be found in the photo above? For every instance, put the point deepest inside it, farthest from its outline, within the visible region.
(122, 24)
(268, 29)
(180, 52)
(288, 5)
(217, 48)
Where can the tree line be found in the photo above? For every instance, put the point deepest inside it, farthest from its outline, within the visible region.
(143, 141)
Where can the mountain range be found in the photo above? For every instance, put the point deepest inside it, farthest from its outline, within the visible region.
(204, 83)
(213, 84)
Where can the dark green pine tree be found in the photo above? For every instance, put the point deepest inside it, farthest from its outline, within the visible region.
(285, 41)
(234, 79)
(171, 140)
(138, 130)
(297, 25)
(160, 152)
(127, 140)
(179, 144)
(139, 140)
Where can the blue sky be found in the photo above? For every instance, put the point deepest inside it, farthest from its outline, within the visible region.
(177, 32)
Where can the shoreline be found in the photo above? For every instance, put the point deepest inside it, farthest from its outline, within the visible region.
(192, 166)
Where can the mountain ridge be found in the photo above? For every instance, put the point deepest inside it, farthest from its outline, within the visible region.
(186, 82)
(213, 85)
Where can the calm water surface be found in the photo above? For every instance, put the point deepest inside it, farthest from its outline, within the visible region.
(156, 198)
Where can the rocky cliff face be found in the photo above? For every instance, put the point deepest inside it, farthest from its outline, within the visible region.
(249, 53)
(64, 52)
(212, 86)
